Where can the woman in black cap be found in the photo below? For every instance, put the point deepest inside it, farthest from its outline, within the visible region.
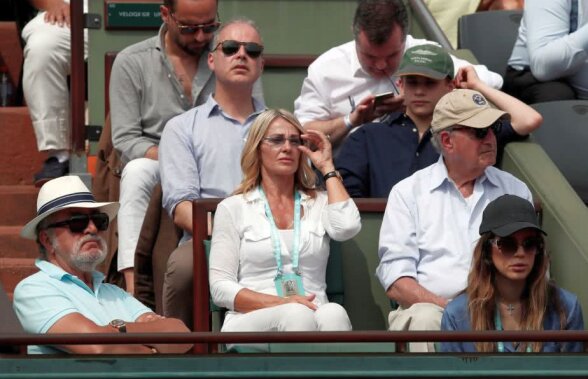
(508, 287)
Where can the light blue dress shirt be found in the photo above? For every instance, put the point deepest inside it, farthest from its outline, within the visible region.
(429, 230)
(547, 47)
(45, 297)
(200, 154)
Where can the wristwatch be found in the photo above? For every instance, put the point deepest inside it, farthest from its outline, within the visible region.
(332, 174)
(119, 324)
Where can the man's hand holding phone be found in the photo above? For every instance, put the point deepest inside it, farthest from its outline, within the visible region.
(372, 107)
(387, 102)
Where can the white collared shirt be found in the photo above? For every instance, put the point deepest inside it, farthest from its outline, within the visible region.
(242, 254)
(429, 230)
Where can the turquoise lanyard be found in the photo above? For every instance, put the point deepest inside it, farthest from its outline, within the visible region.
(498, 324)
(276, 238)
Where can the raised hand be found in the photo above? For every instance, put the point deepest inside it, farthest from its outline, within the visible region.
(318, 149)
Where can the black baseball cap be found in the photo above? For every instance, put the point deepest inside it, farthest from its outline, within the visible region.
(508, 214)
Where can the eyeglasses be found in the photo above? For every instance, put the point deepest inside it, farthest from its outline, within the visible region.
(509, 245)
(192, 29)
(279, 140)
(481, 133)
(231, 47)
(79, 223)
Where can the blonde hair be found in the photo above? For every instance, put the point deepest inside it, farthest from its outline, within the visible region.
(539, 297)
(305, 178)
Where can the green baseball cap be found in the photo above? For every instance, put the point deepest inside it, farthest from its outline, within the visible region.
(426, 60)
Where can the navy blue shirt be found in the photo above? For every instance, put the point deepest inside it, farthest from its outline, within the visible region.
(378, 155)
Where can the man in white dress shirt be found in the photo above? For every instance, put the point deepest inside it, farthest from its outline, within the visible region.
(431, 221)
(338, 93)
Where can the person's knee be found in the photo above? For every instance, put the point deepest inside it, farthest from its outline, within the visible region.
(548, 91)
(42, 53)
(332, 317)
(141, 172)
(297, 317)
(179, 271)
(425, 316)
(419, 316)
(141, 168)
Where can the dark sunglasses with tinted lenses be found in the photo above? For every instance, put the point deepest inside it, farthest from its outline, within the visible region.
(192, 29)
(231, 47)
(481, 133)
(279, 140)
(509, 245)
(79, 223)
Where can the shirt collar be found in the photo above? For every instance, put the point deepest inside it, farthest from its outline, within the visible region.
(160, 42)
(60, 274)
(253, 196)
(439, 175)
(211, 106)
(356, 68)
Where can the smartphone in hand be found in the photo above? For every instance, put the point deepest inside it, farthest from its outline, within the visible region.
(379, 98)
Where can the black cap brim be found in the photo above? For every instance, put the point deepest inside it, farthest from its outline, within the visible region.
(507, 230)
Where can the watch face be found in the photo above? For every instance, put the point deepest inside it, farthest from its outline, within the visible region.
(117, 323)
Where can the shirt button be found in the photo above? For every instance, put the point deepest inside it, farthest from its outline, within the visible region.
(182, 96)
(169, 75)
(417, 154)
(414, 130)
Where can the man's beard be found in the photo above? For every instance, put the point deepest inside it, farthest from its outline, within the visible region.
(189, 48)
(85, 261)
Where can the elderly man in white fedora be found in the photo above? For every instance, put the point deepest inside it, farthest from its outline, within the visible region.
(68, 295)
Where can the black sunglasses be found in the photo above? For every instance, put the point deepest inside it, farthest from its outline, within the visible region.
(192, 29)
(79, 223)
(481, 133)
(231, 47)
(509, 245)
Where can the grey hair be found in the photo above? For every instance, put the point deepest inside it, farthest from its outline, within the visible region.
(240, 20)
(436, 139)
(40, 227)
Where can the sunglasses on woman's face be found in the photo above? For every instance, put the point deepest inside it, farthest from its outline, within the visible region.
(231, 47)
(279, 140)
(509, 245)
(79, 223)
(481, 133)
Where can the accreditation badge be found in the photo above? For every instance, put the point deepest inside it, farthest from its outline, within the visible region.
(289, 285)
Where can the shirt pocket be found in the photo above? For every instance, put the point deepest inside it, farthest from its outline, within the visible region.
(313, 239)
(257, 252)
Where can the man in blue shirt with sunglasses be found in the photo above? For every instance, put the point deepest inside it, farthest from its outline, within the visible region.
(431, 221)
(151, 82)
(200, 150)
(68, 295)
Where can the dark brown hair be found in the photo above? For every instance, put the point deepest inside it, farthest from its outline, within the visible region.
(378, 17)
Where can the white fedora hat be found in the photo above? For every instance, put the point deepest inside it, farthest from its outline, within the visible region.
(61, 193)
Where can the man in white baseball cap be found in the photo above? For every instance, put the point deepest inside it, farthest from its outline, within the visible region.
(68, 295)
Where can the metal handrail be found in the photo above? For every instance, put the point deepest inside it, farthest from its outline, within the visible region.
(430, 26)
